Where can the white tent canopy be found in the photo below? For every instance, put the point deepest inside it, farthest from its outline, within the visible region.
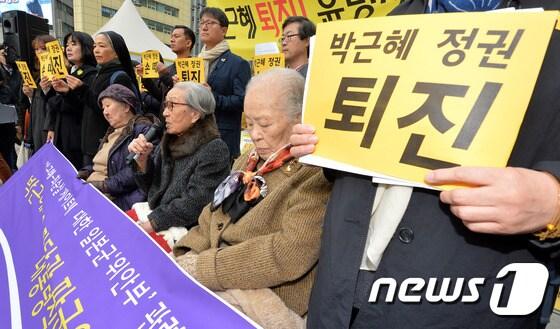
(138, 37)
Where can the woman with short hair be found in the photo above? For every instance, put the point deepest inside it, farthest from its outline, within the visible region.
(37, 98)
(257, 244)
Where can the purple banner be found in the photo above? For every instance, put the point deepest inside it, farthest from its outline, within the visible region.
(70, 259)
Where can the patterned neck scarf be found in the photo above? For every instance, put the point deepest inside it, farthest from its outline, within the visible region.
(249, 183)
(448, 6)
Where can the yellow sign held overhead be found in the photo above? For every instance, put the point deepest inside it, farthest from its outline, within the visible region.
(46, 67)
(150, 59)
(26, 74)
(57, 59)
(190, 69)
(264, 63)
(408, 94)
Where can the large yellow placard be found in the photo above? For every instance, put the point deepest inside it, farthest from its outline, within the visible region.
(252, 22)
(57, 59)
(405, 95)
(46, 67)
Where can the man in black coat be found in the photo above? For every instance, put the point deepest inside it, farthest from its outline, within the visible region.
(465, 233)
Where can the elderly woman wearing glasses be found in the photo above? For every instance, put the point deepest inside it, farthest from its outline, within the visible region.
(257, 244)
(180, 175)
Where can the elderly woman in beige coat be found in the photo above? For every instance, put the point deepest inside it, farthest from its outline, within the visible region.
(257, 244)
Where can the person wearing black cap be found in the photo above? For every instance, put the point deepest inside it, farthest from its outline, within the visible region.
(109, 172)
(113, 59)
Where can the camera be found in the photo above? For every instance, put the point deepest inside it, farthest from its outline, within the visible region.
(9, 52)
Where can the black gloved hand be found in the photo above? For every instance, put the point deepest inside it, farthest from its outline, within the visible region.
(83, 173)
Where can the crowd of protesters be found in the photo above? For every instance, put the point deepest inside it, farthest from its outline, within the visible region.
(269, 237)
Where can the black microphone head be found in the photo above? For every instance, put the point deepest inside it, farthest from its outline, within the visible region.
(151, 134)
(154, 131)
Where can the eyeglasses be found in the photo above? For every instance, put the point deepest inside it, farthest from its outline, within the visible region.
(170, 105)
(207, 23)
(287, 37)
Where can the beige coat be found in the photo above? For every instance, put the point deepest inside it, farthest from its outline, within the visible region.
(274, 245)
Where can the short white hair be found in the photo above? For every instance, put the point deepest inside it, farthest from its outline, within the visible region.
(198, 97)
(287, 82)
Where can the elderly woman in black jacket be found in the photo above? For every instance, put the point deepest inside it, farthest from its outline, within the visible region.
(180, 175)
(110, 173)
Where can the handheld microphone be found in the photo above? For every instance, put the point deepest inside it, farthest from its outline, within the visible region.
(150, 135)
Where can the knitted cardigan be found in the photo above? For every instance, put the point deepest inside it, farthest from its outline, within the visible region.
(274, 245)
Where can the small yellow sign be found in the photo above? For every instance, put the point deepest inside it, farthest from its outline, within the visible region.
(190, 69)
(57, 59)
(26, 74)
(264, 63)
(150, 59)
(46, 67)
(407, 94)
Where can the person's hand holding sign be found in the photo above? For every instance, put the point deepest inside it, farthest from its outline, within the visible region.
(500, 200)
(60, 86)
(303, 140)
(45, 84)
(73, 82)
(27, 91)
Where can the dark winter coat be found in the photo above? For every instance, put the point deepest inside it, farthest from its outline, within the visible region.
(228, 80)
(94, 124)
(10, 94)
(180, 185)
(120, 183)
(37, 131)
(64, 116)
(430, 241)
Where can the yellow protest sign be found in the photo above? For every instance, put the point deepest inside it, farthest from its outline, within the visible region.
(150, 59)
(408, 94)
(57, 59)
(252, 22)
(26, 74)
(190, 69)
(46, 67)
(264, 63)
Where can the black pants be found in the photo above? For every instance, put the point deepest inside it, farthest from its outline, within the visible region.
(7, 140)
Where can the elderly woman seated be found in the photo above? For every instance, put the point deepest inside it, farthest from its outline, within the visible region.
(110, 173)
(180, 175)
(263, 227)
